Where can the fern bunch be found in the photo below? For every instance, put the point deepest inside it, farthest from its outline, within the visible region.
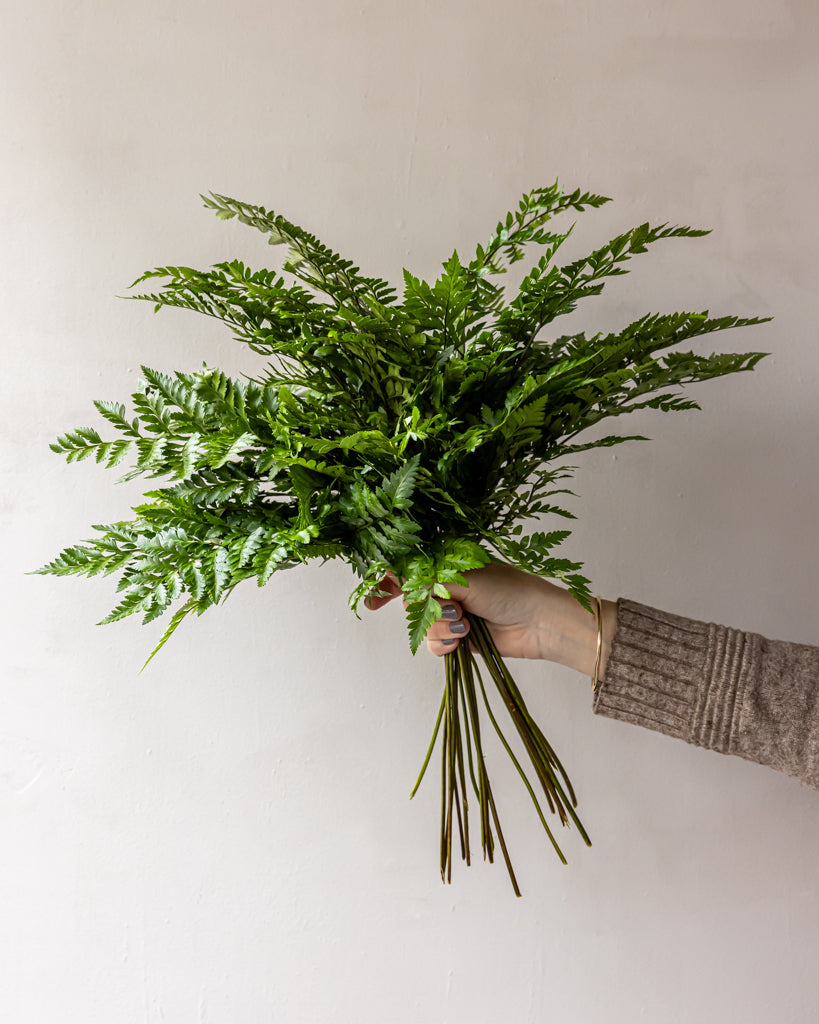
(414, 435)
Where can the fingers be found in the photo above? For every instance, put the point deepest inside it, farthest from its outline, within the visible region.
(444, 634)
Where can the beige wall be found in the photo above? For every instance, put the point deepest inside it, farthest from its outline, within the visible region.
(227, 838)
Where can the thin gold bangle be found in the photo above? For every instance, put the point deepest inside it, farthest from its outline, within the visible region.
(594, 679)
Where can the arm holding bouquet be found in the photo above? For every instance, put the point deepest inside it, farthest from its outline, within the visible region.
(724, 689)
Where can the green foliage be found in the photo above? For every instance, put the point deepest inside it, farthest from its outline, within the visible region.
(416, 435)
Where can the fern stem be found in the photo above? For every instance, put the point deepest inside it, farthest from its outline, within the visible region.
(460, 710)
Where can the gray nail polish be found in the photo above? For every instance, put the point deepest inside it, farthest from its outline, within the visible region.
(447, 643)
(449, 611)
(457, 627)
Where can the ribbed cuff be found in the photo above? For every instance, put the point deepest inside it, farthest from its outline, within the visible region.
(677, 676)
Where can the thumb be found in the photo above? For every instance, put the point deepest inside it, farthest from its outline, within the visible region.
(390, 584)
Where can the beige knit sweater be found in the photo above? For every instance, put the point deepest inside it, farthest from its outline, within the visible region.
(716, 687)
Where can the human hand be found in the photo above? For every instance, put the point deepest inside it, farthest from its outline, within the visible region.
(528, 617)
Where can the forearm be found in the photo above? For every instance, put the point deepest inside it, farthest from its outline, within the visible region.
(724, 689)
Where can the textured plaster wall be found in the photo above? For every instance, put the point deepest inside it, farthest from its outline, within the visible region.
(227, 837)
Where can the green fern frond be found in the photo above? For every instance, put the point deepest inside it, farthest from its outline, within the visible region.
(414, 434)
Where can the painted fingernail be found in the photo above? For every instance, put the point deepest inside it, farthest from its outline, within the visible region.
(447, 643)
(449, 611)
(457, 627)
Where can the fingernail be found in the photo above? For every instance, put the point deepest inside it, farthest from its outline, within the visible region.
(449, 611)
(457, 627)
(447, 643)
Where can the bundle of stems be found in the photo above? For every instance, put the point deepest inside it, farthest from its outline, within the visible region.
(459, 715)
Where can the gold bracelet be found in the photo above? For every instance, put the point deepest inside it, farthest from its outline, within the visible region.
(594, 679)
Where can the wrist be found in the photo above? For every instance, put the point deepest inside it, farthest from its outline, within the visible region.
(568, 632)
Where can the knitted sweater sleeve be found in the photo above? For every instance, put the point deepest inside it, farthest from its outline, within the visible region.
(716, 687)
